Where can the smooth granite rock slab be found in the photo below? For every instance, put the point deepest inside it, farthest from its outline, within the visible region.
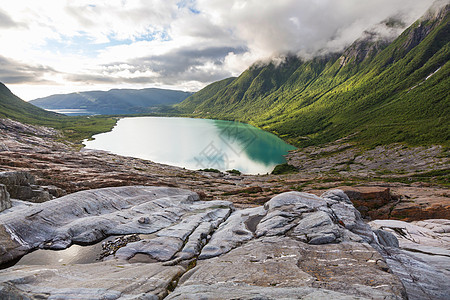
(225, 291)
(104, 280)
(295, 246)
(280, 265)
(231, 233)
(421, 258)
(90, 216)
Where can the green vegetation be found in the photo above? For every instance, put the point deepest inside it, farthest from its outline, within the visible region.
(379, 93)
(375, 93)
(284, 169)
(210, 170)
(234, 172)
(74, 129)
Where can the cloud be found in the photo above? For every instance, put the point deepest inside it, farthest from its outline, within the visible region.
(13, 72)
(306, 26)
(6, 21)
(174, 67)
(182, 44)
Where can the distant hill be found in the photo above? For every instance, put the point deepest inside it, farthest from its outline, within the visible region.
(377, 91)
(13, 107)
(115, 101)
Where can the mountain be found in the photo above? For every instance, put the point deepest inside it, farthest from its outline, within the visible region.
(376, 91)
(115, 101)
(73, 128)
(13, 107)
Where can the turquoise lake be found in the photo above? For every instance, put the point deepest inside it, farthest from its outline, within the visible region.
(194, 143)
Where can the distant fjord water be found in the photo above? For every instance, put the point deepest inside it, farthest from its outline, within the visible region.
(194, 143)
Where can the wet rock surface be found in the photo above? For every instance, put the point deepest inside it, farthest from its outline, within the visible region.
(90, 216)
(297, 244)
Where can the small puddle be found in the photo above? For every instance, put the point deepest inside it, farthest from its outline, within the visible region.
(252, 222)
(75, 254)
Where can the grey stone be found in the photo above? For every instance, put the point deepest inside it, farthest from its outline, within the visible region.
(16, 178)
(90, 216)
(386, 238)
(5, 201)
(283, 210)
(160, 248)
(22, 192)
(275, 223)
(295, 246)
(144, 220)
(54, 191)
(104, 280)
(196, 241)
(336, 195)
(280, 267)
(39, 196)
(421, 256)
(223, 290)
(295, 200)
(316, 228)
(20, 185)
(231, 233)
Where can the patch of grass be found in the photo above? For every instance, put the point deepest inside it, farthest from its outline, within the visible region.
(211, 170)
(234, 172)
(284, 169)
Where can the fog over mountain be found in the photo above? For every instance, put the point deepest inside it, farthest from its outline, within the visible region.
(66, 46)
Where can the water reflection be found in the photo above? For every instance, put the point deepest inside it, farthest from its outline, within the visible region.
(194, 143)
(259, 145)
(75, 254)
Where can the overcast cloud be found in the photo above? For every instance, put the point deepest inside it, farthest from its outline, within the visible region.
(59, 46)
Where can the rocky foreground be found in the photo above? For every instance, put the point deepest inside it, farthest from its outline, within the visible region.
(222, 236)
(296, 246)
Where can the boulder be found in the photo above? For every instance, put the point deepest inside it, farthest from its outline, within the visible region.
(231, 233)
(56, 192)
(5, 201)
(15, 178)
(370, 197)
(21, 185)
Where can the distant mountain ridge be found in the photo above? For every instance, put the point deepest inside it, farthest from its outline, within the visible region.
(115, 101)
(380, 92)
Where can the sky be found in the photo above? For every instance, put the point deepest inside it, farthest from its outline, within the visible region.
(62, 46)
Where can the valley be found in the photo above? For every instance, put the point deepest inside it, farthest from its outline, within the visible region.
(357, 205)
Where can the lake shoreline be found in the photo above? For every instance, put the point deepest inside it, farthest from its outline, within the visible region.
(419, 193)
(194, 143)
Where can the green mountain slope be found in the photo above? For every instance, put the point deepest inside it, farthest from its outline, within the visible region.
(381, 92)
(13, 107)
(115, 101)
